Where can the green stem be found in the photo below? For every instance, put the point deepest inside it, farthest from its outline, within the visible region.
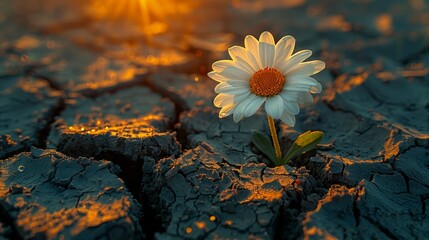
(275, 138)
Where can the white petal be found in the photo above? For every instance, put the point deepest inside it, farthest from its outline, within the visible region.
(219, 66)
(254, 61)
(300, 79)
(252, 46)
(239, 111)
(291, 96)
(222, 100)
(253, 105)
(303, 83)
(226, 111)
(233, 88)
(284, 49)
(288, 119)
(237, 83)
(240, 97)
(266, 37)
(297, 87)
(305, 97)
(297, 96)
(274, 106)
(316, 89)
(215, 76)
(291, 108)
(237, 51)
(241, 56)
(236, 73)
(266, 54)
(245, 65)
(247, 107)
(307, 68)
(222, 65)
(294, 60)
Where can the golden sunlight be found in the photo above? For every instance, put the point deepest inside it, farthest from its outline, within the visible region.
(151, 17)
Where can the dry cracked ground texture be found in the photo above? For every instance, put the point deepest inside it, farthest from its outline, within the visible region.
(94, 146)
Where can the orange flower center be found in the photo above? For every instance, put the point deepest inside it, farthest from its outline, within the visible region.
(267, 82)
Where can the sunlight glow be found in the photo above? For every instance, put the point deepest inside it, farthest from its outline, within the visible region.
(152, 17)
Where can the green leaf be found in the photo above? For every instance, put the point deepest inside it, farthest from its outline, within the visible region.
(263, 143)
(304, 143)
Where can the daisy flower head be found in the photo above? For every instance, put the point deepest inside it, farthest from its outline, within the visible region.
(265, 72)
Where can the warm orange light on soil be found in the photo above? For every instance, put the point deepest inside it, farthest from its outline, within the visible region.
(131, 128)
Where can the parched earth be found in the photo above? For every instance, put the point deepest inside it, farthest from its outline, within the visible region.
(101, 138)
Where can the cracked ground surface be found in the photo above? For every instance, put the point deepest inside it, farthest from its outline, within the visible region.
(98, 143)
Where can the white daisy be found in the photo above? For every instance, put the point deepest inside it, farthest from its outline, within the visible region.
(265, 72)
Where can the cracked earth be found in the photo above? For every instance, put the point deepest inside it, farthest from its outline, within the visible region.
(98, 144)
